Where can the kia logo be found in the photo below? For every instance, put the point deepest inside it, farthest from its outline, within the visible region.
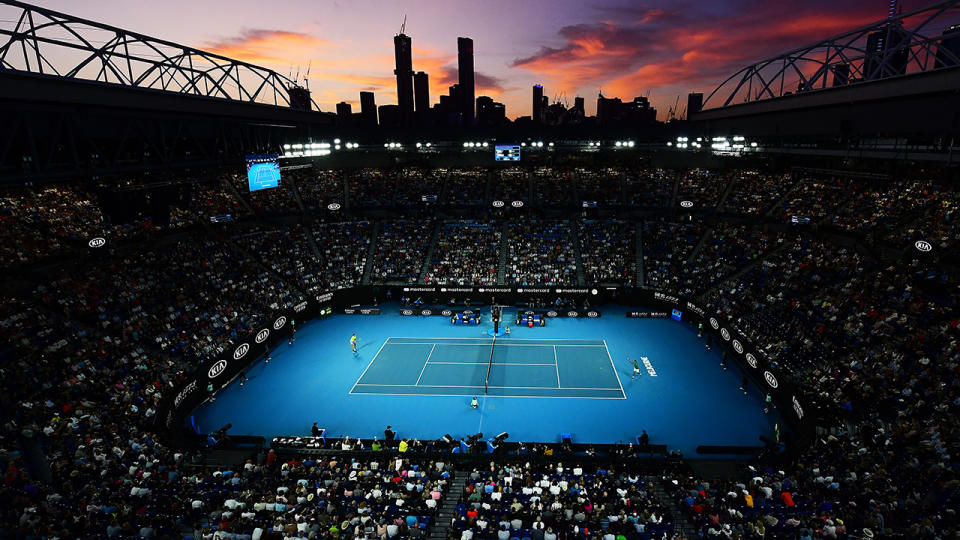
(725, 334)
(771, 380)
(737, 347)
(407, 312)
(468, 312)
(426, 312)
(498, 204)
(714, 323)
(216, 369)
(517, 204)
(241, 351)
(100, 241)
(572, 314)
(262, 335)
(528, 313)
(551, 314)
(592, 314)
(446, 313)
(281, 320)
(752, 360)
(333, 206)
(686, 204)
(921, 245)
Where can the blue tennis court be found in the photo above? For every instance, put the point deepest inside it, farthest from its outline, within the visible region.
(509, 367)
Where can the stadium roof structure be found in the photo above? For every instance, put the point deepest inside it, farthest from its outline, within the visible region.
(41, 41)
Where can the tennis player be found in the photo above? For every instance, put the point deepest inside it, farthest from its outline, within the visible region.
(636, 368)
(353, 343)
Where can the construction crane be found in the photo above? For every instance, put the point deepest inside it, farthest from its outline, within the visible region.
(306, 79)
(404, 25)
(672, 112)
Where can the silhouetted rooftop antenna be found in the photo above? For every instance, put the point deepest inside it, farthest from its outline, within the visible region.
(404, 25)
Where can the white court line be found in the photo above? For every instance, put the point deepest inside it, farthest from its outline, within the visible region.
(614, 367)
(481, 386)
(498, 344)
(370, 364)
(462, 395)
(556, 365)
(485, 363)
(511, 339)
(425, 365)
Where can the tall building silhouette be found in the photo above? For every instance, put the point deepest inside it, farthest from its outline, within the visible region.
(421, 97)
(404, 72)
(537, 115)
(368, 109)
(344, 114)
(465, 79)
(694, 103)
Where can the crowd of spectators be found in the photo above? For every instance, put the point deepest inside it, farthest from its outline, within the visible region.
(553, 186)
(343, 251)
(509, 185)
(92, 346)
(540, 252)
(755, 193)
(666, 246)
(649, 187)
(466, 186)
(400, 249)
(604, 186)
(556, 500)
(702, 187)
(466, 252)
(320, 189)
(608, 251)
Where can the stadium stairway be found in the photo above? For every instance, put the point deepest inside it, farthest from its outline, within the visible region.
(676, 188)
(502, 265)
(228, 185)
(429, 254)
(368, 267)
(292, 183)
(639, 254)
(727, 191)
(782, 198)
(681, 525)
(736, 275)
(447, 512)
(577, 256)
(703, 239)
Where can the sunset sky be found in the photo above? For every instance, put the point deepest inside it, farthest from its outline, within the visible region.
(573, 48)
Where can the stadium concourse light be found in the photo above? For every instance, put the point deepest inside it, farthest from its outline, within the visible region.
(286, 147)
(419, 145)
(336, 141)
(485, 144)
(550, 144)
(669, 143)
(523, 144)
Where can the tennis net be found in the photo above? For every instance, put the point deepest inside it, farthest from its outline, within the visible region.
(486, 383)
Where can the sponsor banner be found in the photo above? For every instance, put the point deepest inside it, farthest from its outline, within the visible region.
(663, 297)
(97, 242)
(496, 290)
(361, 311)
(646, 363)
(533, 291)
(324, 298)
(419, 289)
(648, 314)
(692, 307)
(456, 289)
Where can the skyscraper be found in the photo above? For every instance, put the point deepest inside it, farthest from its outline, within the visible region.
(537, 115)
(694, 103)
(465, 81)
(421, 97)
(368, 109)
(344, 113)
(404, 73)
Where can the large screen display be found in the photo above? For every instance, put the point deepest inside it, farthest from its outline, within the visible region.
(507, 152)
(263, 171)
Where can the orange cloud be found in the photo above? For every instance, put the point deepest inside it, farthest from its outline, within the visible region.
(257, 45)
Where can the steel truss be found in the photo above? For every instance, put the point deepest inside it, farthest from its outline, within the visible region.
(901, 45)
(46, 42)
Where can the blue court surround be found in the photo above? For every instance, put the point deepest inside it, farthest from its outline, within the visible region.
(418, 374)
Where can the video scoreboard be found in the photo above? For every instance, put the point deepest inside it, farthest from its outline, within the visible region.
(507, 152)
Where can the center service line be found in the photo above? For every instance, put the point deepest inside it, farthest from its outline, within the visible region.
(425, 364)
